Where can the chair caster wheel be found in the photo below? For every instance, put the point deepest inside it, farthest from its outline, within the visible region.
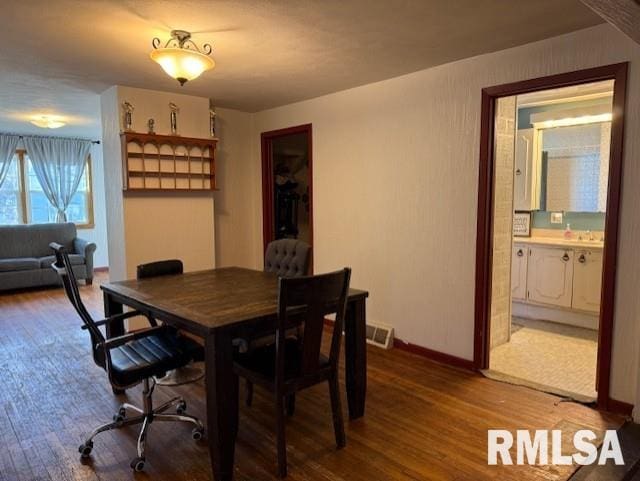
(137, 464)
(118, 419)
(197, 434)
(181, 407)
(85, 449)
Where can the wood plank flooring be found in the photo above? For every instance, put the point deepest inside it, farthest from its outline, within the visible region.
(424, 421)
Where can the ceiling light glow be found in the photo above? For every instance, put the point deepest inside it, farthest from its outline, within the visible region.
(47, 121)
(585, 119)
(181, 58)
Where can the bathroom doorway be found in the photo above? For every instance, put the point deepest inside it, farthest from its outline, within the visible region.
(287, 184)
(551, 157)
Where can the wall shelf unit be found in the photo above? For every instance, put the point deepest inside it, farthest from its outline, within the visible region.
(167, 163)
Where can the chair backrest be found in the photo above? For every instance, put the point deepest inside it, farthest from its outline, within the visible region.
(287, 257)
(311, 299)
(63, 267)
(159, 268)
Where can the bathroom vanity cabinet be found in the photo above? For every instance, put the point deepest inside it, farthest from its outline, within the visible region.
(550, 276)
(555, 276)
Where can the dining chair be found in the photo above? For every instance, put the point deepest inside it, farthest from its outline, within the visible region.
(294, 364)
(133, 358)
(190, 372)
(287, 258)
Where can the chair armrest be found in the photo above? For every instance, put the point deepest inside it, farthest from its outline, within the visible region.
(86, 250)
(120, 340)
(121, 317)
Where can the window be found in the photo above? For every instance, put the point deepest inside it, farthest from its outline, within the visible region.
(10, 196)
(22, 200)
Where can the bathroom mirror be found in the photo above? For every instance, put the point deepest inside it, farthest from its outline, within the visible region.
(574, 167)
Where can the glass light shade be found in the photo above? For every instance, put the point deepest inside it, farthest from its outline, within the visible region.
(47, 122)
(182, 64)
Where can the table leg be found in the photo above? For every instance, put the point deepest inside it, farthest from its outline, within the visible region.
(222, 404)
(356, 357)
(112, 307)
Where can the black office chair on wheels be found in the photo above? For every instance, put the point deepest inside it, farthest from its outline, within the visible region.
(131, 359)
(190, 372)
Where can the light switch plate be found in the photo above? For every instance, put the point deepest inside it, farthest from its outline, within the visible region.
(556, 217)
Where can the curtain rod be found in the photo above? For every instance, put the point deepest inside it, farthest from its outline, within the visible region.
(93, 141)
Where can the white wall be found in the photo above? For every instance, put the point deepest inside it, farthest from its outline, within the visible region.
(234, 215)
(98, 233)
(144, 227)
(112, 168)
(395, 167)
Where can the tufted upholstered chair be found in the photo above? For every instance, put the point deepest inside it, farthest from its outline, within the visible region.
(287, 258)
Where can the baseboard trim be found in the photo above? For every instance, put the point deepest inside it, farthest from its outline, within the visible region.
(619, 407)
(101, 269)
(437, 356)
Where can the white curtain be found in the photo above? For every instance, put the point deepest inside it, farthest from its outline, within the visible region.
(8, 146)
(58, 165)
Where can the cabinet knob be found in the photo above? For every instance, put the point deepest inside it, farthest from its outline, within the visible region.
(520, 253)
(582, 259)
(518, 172)
(565, 257)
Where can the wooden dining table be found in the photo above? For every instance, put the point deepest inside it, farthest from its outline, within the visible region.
(218, 306)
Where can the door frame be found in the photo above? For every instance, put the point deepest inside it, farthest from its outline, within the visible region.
(484, 241)
(266, 140)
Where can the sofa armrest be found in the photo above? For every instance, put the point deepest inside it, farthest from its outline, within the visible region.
(85, 249)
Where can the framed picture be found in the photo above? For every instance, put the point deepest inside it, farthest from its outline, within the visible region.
(522, 224)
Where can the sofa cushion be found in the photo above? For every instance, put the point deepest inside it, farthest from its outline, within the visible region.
(19, 264)
(76, 260)
(33, 240)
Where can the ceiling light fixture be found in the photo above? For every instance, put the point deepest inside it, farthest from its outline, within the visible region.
(181, 58)
(47, 121)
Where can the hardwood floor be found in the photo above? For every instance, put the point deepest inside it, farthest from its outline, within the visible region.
(424, 421)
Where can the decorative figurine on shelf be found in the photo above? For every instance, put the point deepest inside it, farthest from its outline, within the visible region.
(212, 123)
(151, 124)
(127, 120)
(174, 118)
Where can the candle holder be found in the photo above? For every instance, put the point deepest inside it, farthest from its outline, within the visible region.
(127, 116)
(173, 118)
(212, 123)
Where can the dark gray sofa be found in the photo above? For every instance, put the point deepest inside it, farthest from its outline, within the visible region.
(25, 255)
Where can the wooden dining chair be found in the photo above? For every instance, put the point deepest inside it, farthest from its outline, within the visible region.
(293, 364)
(286, 258)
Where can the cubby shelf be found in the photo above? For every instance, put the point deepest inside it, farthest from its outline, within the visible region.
(167, 163)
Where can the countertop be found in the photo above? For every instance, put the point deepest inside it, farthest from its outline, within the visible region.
(560, 242)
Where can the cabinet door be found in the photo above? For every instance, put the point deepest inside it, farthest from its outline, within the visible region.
(519, 272)
(550, 276)
(587, 280)
(523, 180)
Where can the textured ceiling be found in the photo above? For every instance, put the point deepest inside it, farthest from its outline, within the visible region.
(56, 56)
